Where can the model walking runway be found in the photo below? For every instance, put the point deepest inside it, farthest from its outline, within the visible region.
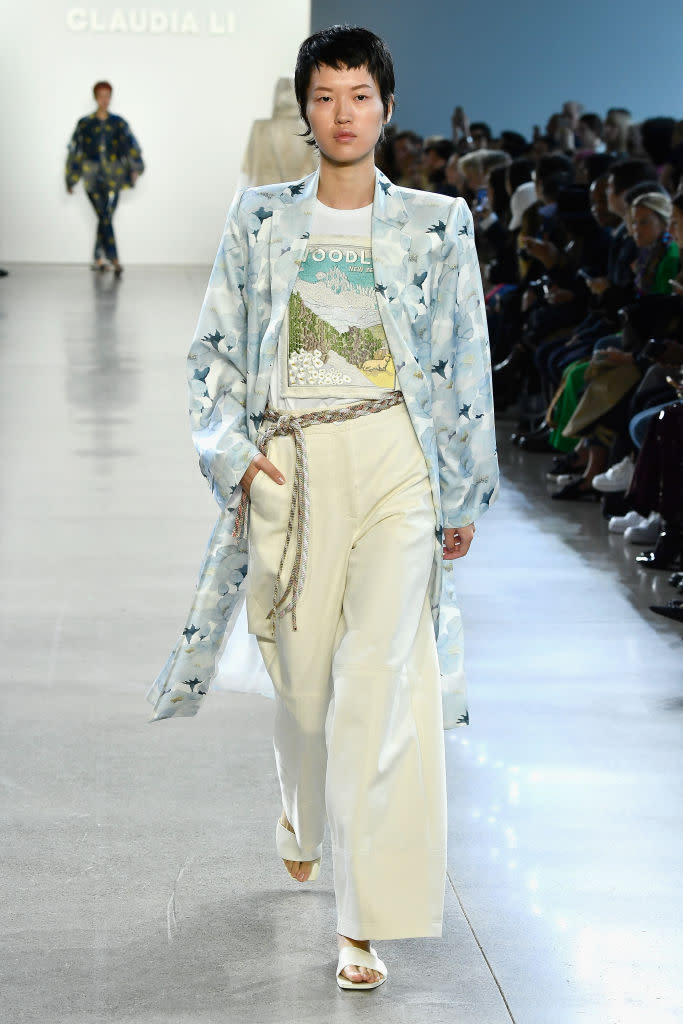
(564, 838)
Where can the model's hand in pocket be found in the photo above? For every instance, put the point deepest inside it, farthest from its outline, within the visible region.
(260, 464)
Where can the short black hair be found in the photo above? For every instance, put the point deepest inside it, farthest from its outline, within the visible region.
(627, 173)
(643, 188)
(551, 164)
(513, 143)
(343, 46)
(553, 184)
(597, 165)
(593, 122)
(519, 172)
(482, 128)
(656, 135)
(444, 148)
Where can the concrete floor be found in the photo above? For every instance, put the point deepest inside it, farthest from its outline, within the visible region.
(140, 883)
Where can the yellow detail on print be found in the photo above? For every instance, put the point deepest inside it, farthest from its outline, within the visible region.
(336, 337)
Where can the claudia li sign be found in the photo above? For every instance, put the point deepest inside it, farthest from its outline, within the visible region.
(150, 19)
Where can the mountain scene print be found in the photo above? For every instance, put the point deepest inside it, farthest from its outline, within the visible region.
(336, 337)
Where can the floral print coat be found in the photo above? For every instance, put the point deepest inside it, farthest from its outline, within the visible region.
(103, 151)
(431, 304)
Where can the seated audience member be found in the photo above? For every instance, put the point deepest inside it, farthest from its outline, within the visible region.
(671, 175)
(475, 169)
(514, 144)
(616, 131)
(656, 135)
(571, 112)
(505, 268)
(590, 166)
(407, 159)
(384, 153)
(589, 134)
(521, 189)
(616, 369)
(657, 486)
(455, 182)
(437, 153)
(481, 135)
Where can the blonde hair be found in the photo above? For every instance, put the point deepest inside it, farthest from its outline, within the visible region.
(622, 120)
(483, 161)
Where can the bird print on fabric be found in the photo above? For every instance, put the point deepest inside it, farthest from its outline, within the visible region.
(438, 229)
(214, 339)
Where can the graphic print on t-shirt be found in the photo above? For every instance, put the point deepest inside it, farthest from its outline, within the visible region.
(336, 341)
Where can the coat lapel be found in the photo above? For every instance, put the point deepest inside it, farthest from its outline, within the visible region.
(394, 272)
(289, 233)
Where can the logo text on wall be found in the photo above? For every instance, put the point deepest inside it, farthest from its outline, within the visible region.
(150, 19)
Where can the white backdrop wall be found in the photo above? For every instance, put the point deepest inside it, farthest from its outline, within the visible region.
(189, 79)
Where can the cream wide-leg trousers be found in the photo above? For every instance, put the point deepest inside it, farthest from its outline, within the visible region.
(358, 721)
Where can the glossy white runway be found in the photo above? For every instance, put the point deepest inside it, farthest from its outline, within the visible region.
(140, 879)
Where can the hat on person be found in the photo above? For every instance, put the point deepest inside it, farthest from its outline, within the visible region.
(657, 202)
(522, 198)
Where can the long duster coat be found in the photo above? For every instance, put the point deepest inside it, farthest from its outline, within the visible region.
(431, 304)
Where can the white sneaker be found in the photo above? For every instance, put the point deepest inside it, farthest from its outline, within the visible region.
(616, 478)
(618, 524)
(648, 533)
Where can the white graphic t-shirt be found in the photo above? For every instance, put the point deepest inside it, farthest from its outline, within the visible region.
(332, 348)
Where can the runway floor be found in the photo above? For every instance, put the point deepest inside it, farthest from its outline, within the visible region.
(140, 881)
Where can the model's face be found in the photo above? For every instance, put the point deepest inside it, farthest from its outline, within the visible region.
(103, 98)
(648, 228)
(345, 112)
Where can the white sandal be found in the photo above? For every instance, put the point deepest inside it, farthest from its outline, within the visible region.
(353, 955)
(288, 849)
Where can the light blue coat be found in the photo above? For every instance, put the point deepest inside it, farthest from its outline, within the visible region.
(431, 304)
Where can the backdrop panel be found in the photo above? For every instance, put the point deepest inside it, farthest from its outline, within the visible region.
(189, 79)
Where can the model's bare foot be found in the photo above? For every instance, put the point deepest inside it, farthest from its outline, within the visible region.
(298, 869)
(355, 973)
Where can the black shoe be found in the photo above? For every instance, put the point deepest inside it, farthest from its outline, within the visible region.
(537, 442)
(562, 464)
(576, 491)
(675, 579)
(670, 610)
(666, 553)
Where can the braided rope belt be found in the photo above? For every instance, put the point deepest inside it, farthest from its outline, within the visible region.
(283, 424)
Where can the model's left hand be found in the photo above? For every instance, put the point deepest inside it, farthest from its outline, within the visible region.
(456, 543)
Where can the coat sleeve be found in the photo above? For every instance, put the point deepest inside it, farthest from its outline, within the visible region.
(217, 368)
(462, 400)
(130, 151)
(74, 156)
